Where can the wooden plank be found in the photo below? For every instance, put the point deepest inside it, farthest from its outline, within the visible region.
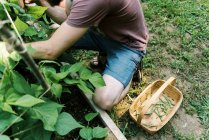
(106, 119)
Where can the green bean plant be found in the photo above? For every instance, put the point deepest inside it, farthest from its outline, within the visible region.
(26, 112)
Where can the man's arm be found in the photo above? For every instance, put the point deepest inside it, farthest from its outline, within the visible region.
(63, 38)
(57, 13)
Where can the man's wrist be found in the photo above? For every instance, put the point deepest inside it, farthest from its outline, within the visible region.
(42, 3)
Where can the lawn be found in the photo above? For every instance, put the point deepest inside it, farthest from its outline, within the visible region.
(179, 47)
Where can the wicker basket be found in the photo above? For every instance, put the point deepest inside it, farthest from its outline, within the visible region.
(156, 105)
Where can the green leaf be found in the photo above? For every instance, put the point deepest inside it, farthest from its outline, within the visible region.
(36, 11)
(3, 15)
(97, 80)
(60, 76)
(11, 96)
(17, 7)
(47, 113)
(86, 133)
(2, 67)
(20, 25)
(66, 123)
(6, 107)
(30, 32)
(84, 88)
(4, 137)
(71, 81)
(6, 119)
(75, 67)
(20, 84)
(65, 68)
(85, 73)
(99, 132)
(37, 88)
(56, 89)
(27, 101)
(91, 116)
(15, 56)
(35, 130)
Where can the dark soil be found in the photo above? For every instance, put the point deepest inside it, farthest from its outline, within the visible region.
(76, 104)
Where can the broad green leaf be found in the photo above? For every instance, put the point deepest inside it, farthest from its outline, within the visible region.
(27, 101)
(30, 32)
(60, 76)
(71, 81)
(36, 11)
(6, 107)
(99, 132)
(85, 73)
(66, 123)
(47, 113)
(75, 67)
(35, 130)
(6, 119)
(11, 96)
(20, 25)
(56, 89)
(90, 116)
(4, 137)
(48, 73)
(86, 133)
(20, 84)
(37, 88)
(97, 80)
(40, 134)
(84, 88)
(65, 68)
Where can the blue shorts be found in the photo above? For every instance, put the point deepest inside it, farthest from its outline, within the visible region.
(122, 61)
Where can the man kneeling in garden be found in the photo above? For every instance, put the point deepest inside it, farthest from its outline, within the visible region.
(114, 27)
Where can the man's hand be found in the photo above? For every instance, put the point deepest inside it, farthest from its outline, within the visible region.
(23, 2)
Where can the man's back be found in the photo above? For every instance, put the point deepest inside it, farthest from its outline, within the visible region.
(121, 20)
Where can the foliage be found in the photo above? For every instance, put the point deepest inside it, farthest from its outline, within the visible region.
(89, 133)
(31, 22)
(24, 113)
(178, 46)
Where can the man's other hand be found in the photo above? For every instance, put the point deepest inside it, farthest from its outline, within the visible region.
(23, 2)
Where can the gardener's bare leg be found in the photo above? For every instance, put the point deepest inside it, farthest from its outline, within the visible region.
(111, 94)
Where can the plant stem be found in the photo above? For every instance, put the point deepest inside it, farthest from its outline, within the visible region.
(23, 131)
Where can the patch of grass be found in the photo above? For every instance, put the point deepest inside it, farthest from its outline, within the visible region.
(179, 42)
(189, 55)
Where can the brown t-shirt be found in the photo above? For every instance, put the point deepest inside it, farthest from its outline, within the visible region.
(121, 20)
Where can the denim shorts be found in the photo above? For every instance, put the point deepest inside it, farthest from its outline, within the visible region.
(122, 61)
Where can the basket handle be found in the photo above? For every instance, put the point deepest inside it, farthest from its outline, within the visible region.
(155, 96)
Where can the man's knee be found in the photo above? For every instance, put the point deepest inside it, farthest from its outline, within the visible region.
(106, 97)
(103, 103)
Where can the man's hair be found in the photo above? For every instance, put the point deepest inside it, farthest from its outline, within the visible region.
(54, 2)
